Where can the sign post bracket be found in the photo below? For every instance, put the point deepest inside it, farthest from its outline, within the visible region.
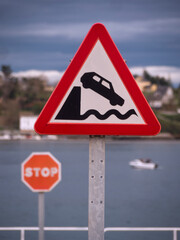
(96, 187)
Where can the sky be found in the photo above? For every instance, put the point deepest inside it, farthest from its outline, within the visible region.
(45, 34)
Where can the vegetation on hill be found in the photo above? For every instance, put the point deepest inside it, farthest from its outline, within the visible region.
(169, 123)
(16, 96)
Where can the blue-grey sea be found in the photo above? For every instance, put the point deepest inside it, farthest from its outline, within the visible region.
(133, 198)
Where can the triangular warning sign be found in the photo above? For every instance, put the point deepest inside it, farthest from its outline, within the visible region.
(97, 95)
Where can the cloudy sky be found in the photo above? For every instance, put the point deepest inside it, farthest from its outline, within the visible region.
(45, 34)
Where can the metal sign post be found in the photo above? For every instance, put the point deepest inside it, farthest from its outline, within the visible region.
(41, 215)
(96, 187)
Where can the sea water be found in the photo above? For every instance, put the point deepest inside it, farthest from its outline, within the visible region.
(133, 198)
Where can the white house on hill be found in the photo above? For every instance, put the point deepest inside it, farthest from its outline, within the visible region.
(163, 95)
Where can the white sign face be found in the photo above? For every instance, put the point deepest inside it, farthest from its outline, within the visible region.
(97, 95)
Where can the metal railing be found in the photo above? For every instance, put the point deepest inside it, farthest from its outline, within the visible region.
(22, 230)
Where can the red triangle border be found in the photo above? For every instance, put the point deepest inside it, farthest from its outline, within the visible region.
(97, 32)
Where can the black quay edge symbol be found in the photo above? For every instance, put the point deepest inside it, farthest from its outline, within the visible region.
(72, 106)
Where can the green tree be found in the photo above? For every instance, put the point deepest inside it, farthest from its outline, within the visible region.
(10, 114)
(177, 95)
(33, 95)
(6, 70)
(156, 80)
(11, 88)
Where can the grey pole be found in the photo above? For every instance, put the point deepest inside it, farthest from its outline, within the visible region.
(41, 215)
(96, 187)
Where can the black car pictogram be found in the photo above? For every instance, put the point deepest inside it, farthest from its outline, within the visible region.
(101, 86)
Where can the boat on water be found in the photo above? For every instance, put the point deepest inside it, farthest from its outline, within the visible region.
(142, 163)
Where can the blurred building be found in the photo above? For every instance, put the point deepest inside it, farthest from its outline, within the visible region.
(163, 95)
(26, 123)
(145, 85)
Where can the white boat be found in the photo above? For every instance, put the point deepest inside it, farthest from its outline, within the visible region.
(143, 164)
(5, 137)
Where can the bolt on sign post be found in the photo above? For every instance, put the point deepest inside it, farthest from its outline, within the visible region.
(41, 172)
(97, 96)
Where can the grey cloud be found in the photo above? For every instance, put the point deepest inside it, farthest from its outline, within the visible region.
(119, 30)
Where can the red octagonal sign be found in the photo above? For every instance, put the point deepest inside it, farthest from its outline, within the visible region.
(41, 172)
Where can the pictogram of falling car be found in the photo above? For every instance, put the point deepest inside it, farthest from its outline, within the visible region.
(101, 86)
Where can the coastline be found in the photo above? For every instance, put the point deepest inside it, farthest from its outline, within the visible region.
(17, 135)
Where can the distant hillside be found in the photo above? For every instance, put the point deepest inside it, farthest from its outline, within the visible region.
(27, 92)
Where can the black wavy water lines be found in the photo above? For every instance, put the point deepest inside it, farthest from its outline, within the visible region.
(108, 114)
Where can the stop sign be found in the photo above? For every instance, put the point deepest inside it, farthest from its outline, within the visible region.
(41, 172)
